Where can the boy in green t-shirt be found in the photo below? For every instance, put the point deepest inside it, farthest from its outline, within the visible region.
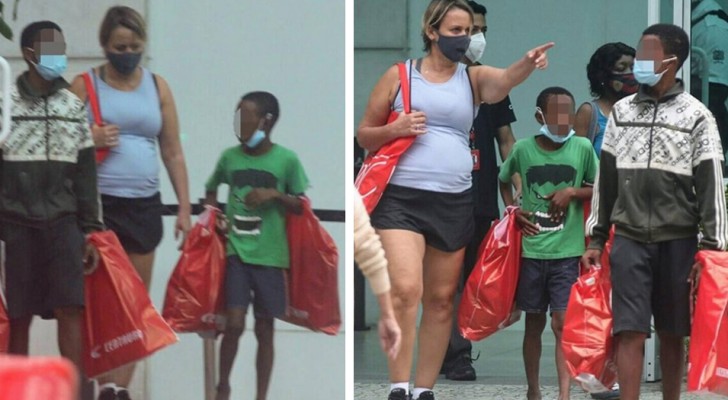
(265, 181)
(557, 171)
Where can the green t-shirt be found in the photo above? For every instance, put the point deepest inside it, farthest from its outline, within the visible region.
(258, 236)
(542, 173)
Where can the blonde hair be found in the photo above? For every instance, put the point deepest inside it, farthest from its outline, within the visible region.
(123, 16)
(435, 13)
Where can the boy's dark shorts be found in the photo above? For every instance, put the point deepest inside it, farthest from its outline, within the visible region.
(652, 279)
(137, 222)
(546, 284)
(43, 267)
(444, 219)
(265, 286)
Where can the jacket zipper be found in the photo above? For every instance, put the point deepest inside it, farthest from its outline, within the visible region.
(48, 131)
(649, 191)
(47, 147)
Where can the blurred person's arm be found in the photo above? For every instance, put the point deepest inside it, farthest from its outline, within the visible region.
(369, 256)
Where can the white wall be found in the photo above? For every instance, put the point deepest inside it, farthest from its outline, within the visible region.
(211, 53)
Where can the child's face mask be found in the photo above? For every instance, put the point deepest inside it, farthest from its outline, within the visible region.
(257, 137)
(564, 120)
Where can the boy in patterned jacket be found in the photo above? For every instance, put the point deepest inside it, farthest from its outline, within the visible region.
(48, 197)
(660, 180)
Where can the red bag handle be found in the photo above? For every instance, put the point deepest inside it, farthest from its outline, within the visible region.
(93, 98)
(93, 101)
(405, 85)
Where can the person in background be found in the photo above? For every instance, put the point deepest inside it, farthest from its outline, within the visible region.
(491, 126)
(139, 117)
(610, 79)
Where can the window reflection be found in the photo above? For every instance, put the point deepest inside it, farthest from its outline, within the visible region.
(709, 23)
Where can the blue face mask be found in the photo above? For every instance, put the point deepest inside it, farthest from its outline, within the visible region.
(255, 139)
(644, 71)
(51, 66)
(558, 139)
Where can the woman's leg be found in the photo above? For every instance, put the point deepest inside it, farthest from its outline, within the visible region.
(405, 251)
(143, 265)
(441, 273)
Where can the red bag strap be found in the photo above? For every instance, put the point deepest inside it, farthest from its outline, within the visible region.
(405, 85)
(93, 98)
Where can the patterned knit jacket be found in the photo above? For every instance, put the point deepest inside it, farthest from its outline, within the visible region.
(48, 167)
(661, 172)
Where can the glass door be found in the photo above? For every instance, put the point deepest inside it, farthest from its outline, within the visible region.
(708, 27)
(706, 73)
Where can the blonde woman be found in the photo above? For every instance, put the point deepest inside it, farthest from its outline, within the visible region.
(140, 120)
(425, 215)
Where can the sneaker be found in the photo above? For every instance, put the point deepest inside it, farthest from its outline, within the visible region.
(461, 368)
(107, 394)
(123, 394)
(398, 394)
(427, 395)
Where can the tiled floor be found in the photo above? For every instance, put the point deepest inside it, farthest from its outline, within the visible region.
(499, 370)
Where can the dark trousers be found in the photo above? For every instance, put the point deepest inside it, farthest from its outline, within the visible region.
(459, 344)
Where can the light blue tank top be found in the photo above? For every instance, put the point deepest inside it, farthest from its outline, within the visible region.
(440, 159)
(599, 137)
(132, 168)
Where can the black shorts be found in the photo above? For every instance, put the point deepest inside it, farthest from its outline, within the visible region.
(546, 284)
(43, 267)
(265, 286)
(136, 221)
(652, 279)
(444, 219)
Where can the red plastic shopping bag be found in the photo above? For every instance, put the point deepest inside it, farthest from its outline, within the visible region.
(378, 166)
(36, 378)
(120, 322)
(708, 356)
(313, 290)
(488, 300)
(194, 294)
(587, 340)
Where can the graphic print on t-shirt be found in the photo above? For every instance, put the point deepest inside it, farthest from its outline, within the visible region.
(544, 180)
(243, 181)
